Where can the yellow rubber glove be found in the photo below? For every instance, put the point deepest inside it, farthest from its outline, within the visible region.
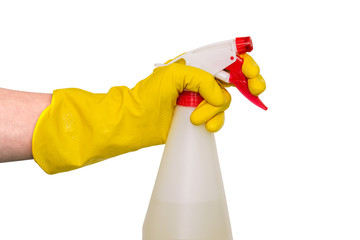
(80, 128)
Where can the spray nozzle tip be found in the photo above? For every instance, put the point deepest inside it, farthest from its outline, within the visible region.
(243, 44)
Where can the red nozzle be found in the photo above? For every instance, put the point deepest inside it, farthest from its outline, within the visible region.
(243, 45)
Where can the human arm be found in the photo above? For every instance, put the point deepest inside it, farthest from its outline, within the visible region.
(19, 112)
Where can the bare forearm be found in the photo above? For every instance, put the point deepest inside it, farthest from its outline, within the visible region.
(19, 112)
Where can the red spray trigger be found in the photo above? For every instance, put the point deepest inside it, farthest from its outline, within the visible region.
(241, 83)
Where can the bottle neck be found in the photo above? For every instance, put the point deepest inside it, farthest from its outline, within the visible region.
(189, 99)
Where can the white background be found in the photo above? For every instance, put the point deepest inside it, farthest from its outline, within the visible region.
(292, 172)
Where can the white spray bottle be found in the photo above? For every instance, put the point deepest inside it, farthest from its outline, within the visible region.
(188, 201)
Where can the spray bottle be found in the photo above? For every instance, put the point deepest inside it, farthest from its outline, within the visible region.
(188, 200)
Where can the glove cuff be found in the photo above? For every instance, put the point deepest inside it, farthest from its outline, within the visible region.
(81, 128)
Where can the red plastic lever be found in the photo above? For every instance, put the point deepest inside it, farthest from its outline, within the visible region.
(241, 82)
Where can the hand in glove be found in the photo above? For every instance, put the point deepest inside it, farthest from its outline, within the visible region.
(81, 128)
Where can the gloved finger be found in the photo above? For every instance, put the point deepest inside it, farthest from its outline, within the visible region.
(215, 123)
(250, 68)
(197, 80)
(205, 111)
(256, 85)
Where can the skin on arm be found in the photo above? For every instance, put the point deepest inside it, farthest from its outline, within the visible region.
(19, 112)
